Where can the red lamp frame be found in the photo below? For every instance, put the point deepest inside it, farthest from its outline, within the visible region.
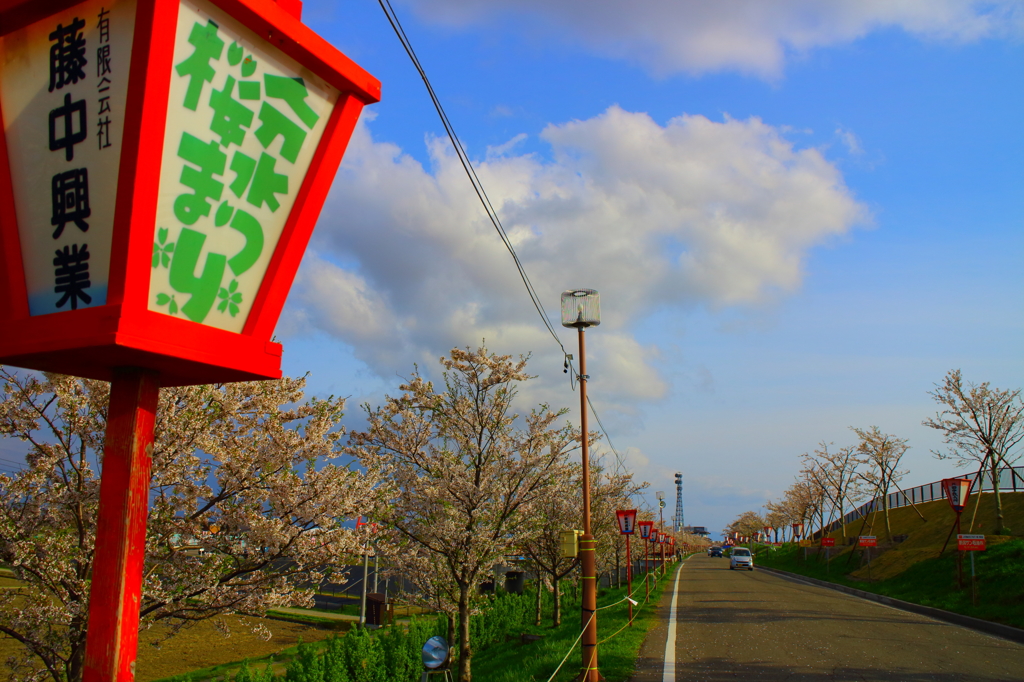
(91, 342)
(964, 484)
(626, 519)
(646, 527)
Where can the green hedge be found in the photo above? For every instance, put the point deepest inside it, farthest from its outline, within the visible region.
(392, 654)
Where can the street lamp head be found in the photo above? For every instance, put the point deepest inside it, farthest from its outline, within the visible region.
(581, 308)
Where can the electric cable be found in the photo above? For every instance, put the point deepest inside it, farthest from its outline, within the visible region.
(492, 214)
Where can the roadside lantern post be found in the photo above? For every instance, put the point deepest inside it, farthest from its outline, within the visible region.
(627, 526)
(128, 113)
(581, 308)
(957, 491)
(645, 536)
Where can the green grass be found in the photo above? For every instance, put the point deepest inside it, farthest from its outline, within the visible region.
(931, 581)
(535, 661)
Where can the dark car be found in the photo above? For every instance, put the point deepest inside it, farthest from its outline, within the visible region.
(715, 551)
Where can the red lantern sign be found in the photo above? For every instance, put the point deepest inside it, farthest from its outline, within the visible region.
(627, 521)
(646, 527)
(181, 174)
(188, 147)
(957, 490)
(798, 529)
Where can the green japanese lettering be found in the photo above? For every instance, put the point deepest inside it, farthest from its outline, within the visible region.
(197, 65)
(275, 123)
(203, 289)
(251, 229)
(229, 115)
(266, 183)
(210, 161)
(293, 91)
(243, 166)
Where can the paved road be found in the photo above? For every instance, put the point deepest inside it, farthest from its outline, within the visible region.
(740, 625)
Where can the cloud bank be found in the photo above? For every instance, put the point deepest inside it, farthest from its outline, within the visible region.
(751, 36)
(404, 264)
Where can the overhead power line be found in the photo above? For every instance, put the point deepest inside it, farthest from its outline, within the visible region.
(485, 201)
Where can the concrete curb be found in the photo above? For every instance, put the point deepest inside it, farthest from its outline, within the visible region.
(988, 627)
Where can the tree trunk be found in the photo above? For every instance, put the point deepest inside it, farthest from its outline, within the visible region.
(556, 615)
(453, 633)
(76, 662)
(465, 651)
(885, 508)
(540, 595)
(995, 492)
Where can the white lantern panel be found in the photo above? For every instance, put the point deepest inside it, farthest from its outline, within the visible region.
(63, 88)
(243, 123)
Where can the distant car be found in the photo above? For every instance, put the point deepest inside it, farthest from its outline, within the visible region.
(741, 558)
(715, 552)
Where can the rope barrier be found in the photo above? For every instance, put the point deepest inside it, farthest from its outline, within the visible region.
(640, 606)
(572, 648)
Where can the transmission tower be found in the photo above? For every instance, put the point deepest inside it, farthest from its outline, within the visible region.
(679, 502)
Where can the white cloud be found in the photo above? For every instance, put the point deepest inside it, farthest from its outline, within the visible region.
(751, 36)
(850, 141)
(404, 264)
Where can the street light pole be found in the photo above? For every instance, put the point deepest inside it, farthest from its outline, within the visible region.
(581, 309)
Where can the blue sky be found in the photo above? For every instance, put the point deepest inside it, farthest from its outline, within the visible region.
(800, 216)
(798, 221)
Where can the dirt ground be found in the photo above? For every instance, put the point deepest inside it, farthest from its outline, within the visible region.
(203, 646)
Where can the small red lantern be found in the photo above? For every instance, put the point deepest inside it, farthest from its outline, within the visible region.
(957, 490)
(646, 527)
(798, 529)
(627, 521)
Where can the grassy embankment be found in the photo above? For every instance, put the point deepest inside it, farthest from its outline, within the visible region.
(913, 571)
(535, 661)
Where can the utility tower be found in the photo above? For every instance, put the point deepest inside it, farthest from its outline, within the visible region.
(679, 502)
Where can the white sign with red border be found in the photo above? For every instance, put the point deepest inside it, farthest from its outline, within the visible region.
(970, 543)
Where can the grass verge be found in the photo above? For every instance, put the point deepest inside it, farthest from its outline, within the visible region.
(618, 646)
(931, 581)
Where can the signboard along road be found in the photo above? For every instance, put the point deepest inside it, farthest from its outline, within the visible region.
(970, 543)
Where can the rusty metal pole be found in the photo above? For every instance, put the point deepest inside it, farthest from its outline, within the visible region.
(647, 574)
(629, 581)
(588, 560)
(116, 593)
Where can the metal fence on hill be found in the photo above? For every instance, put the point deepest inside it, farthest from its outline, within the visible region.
(1010, 480)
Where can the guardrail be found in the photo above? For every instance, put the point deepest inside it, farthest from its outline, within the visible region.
(1011, 480)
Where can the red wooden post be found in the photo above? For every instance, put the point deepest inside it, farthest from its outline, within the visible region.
(116, 592)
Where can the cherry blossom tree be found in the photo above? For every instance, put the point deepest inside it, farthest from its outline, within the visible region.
(233, 475)
(464, 475)
(881, 454)
(979, 424)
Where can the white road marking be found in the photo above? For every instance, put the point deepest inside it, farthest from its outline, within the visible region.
(669, 674)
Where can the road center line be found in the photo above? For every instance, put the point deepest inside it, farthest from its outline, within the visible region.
(669, 674)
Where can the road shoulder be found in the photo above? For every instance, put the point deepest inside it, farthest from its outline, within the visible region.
(651, 661)
(984, 626)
